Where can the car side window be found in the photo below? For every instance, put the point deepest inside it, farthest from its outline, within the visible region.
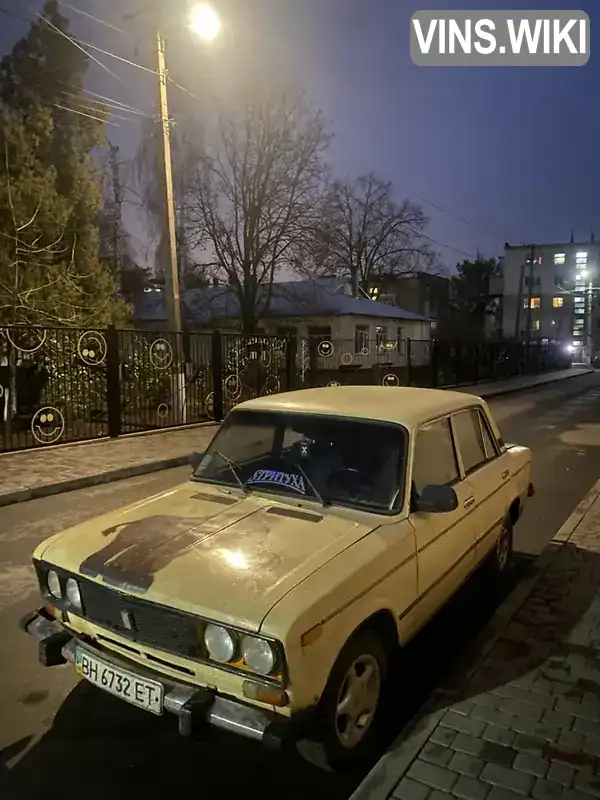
(488, 439)
(468, 428)
(434, 462)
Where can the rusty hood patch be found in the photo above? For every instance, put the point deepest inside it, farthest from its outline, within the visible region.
(233, 562)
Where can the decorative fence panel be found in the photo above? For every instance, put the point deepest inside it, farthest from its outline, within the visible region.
(60, 385)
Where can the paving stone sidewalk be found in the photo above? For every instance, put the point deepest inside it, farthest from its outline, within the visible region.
(43, 471)
(521, 717)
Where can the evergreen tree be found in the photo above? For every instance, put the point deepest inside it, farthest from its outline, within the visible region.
(50, 270)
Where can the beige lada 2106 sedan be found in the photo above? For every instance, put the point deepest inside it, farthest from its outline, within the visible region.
(321, 529)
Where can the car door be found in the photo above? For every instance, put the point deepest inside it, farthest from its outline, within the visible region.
(488, 473)
(445, 542)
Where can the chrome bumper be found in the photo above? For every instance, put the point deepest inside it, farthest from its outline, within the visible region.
(193, 706)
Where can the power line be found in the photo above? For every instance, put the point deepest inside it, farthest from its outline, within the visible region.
(92, 17)
(447, 246)
(460, 217)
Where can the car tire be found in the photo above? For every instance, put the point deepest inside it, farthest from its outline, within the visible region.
(351, 707)
(499, 560)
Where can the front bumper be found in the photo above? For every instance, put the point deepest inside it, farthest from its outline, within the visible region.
(195, 707)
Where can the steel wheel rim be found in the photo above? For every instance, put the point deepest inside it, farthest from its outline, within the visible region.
(357, 700)
(503, 549)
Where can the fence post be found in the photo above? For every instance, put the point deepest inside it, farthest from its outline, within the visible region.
(408, 362)
(113, 382)
(434, 364)
(290, 362)
(216, 363)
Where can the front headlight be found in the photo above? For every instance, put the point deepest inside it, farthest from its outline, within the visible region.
(258, 654)
(73, 593)
(53, 584)
(220, 643)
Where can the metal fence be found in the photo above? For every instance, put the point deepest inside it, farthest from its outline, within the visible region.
(60, 385)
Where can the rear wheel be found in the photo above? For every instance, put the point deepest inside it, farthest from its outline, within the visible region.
(499, 560)
(351, 706)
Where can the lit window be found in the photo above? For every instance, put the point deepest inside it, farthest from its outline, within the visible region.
(560, 258)
(535, 325)
(558, 302)
(535, 302)
(577, 343)
(581, 255)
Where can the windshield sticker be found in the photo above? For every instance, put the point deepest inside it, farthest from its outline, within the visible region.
(270, 476)
(304, 449)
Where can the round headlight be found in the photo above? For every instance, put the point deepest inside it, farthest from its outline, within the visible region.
(258, 655)
(220, 643)
(72, 592)
(53, 584)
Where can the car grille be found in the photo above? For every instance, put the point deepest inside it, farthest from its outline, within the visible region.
(153, 625)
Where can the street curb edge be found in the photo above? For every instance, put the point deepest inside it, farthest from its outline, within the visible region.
(391, 767)
(122, 473)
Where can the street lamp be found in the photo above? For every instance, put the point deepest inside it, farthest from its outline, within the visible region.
(205, 22)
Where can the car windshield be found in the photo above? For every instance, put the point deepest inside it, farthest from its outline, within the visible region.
(334, 460)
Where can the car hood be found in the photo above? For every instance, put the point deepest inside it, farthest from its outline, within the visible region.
(201, 550)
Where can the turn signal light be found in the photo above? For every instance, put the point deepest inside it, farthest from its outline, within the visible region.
(270, 695)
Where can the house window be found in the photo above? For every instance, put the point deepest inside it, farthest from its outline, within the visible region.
(380, 336)
(535, 325)
(318, 334)
(560, 258)
(399, 339)
(558, 302)
(536, 280)
(286, 330)
(558, 280)
(533, 302)
(581, 256)
(361, 338)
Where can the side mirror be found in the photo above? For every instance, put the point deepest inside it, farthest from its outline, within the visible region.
(437, 500)
(195, 460)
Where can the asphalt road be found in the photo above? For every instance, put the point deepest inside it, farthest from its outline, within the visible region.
(57, 734)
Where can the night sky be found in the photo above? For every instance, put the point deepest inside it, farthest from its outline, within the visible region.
(493, 154)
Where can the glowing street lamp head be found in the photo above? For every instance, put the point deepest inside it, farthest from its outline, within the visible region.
(205, 22)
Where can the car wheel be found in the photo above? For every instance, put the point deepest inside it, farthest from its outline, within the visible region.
(351, 706)
(500, 558)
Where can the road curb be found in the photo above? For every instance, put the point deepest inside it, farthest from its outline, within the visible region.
(34, 493)
(389, 770)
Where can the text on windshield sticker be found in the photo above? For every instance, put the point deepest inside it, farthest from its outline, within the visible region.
(270, 476)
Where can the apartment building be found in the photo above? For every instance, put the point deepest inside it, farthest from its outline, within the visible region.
(550, 293)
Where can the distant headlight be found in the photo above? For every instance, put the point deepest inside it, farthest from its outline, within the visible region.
(73, 593)
(258, 655)
(53, 584)
(220, 643)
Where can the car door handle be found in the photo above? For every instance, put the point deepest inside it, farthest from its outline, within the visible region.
(505, 474)
(469, 502)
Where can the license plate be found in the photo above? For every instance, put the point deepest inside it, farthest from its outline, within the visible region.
(119, 682)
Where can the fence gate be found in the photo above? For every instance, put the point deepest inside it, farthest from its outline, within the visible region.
(53, 386)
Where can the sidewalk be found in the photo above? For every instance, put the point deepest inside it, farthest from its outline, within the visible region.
(35, 473)
(521, 717)
(520, 383)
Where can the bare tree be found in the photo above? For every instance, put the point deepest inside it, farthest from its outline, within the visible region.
(257, 192)
(364, 234)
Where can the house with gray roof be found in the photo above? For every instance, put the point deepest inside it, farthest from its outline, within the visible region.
(361, 330)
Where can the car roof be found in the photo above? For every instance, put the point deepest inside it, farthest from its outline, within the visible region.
(406, 405)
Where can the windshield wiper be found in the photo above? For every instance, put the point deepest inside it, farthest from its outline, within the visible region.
(234, 469)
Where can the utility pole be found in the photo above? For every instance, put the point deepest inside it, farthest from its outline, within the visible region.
(116, 215)
(530, 292)
(519, 302)
(172, 299)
